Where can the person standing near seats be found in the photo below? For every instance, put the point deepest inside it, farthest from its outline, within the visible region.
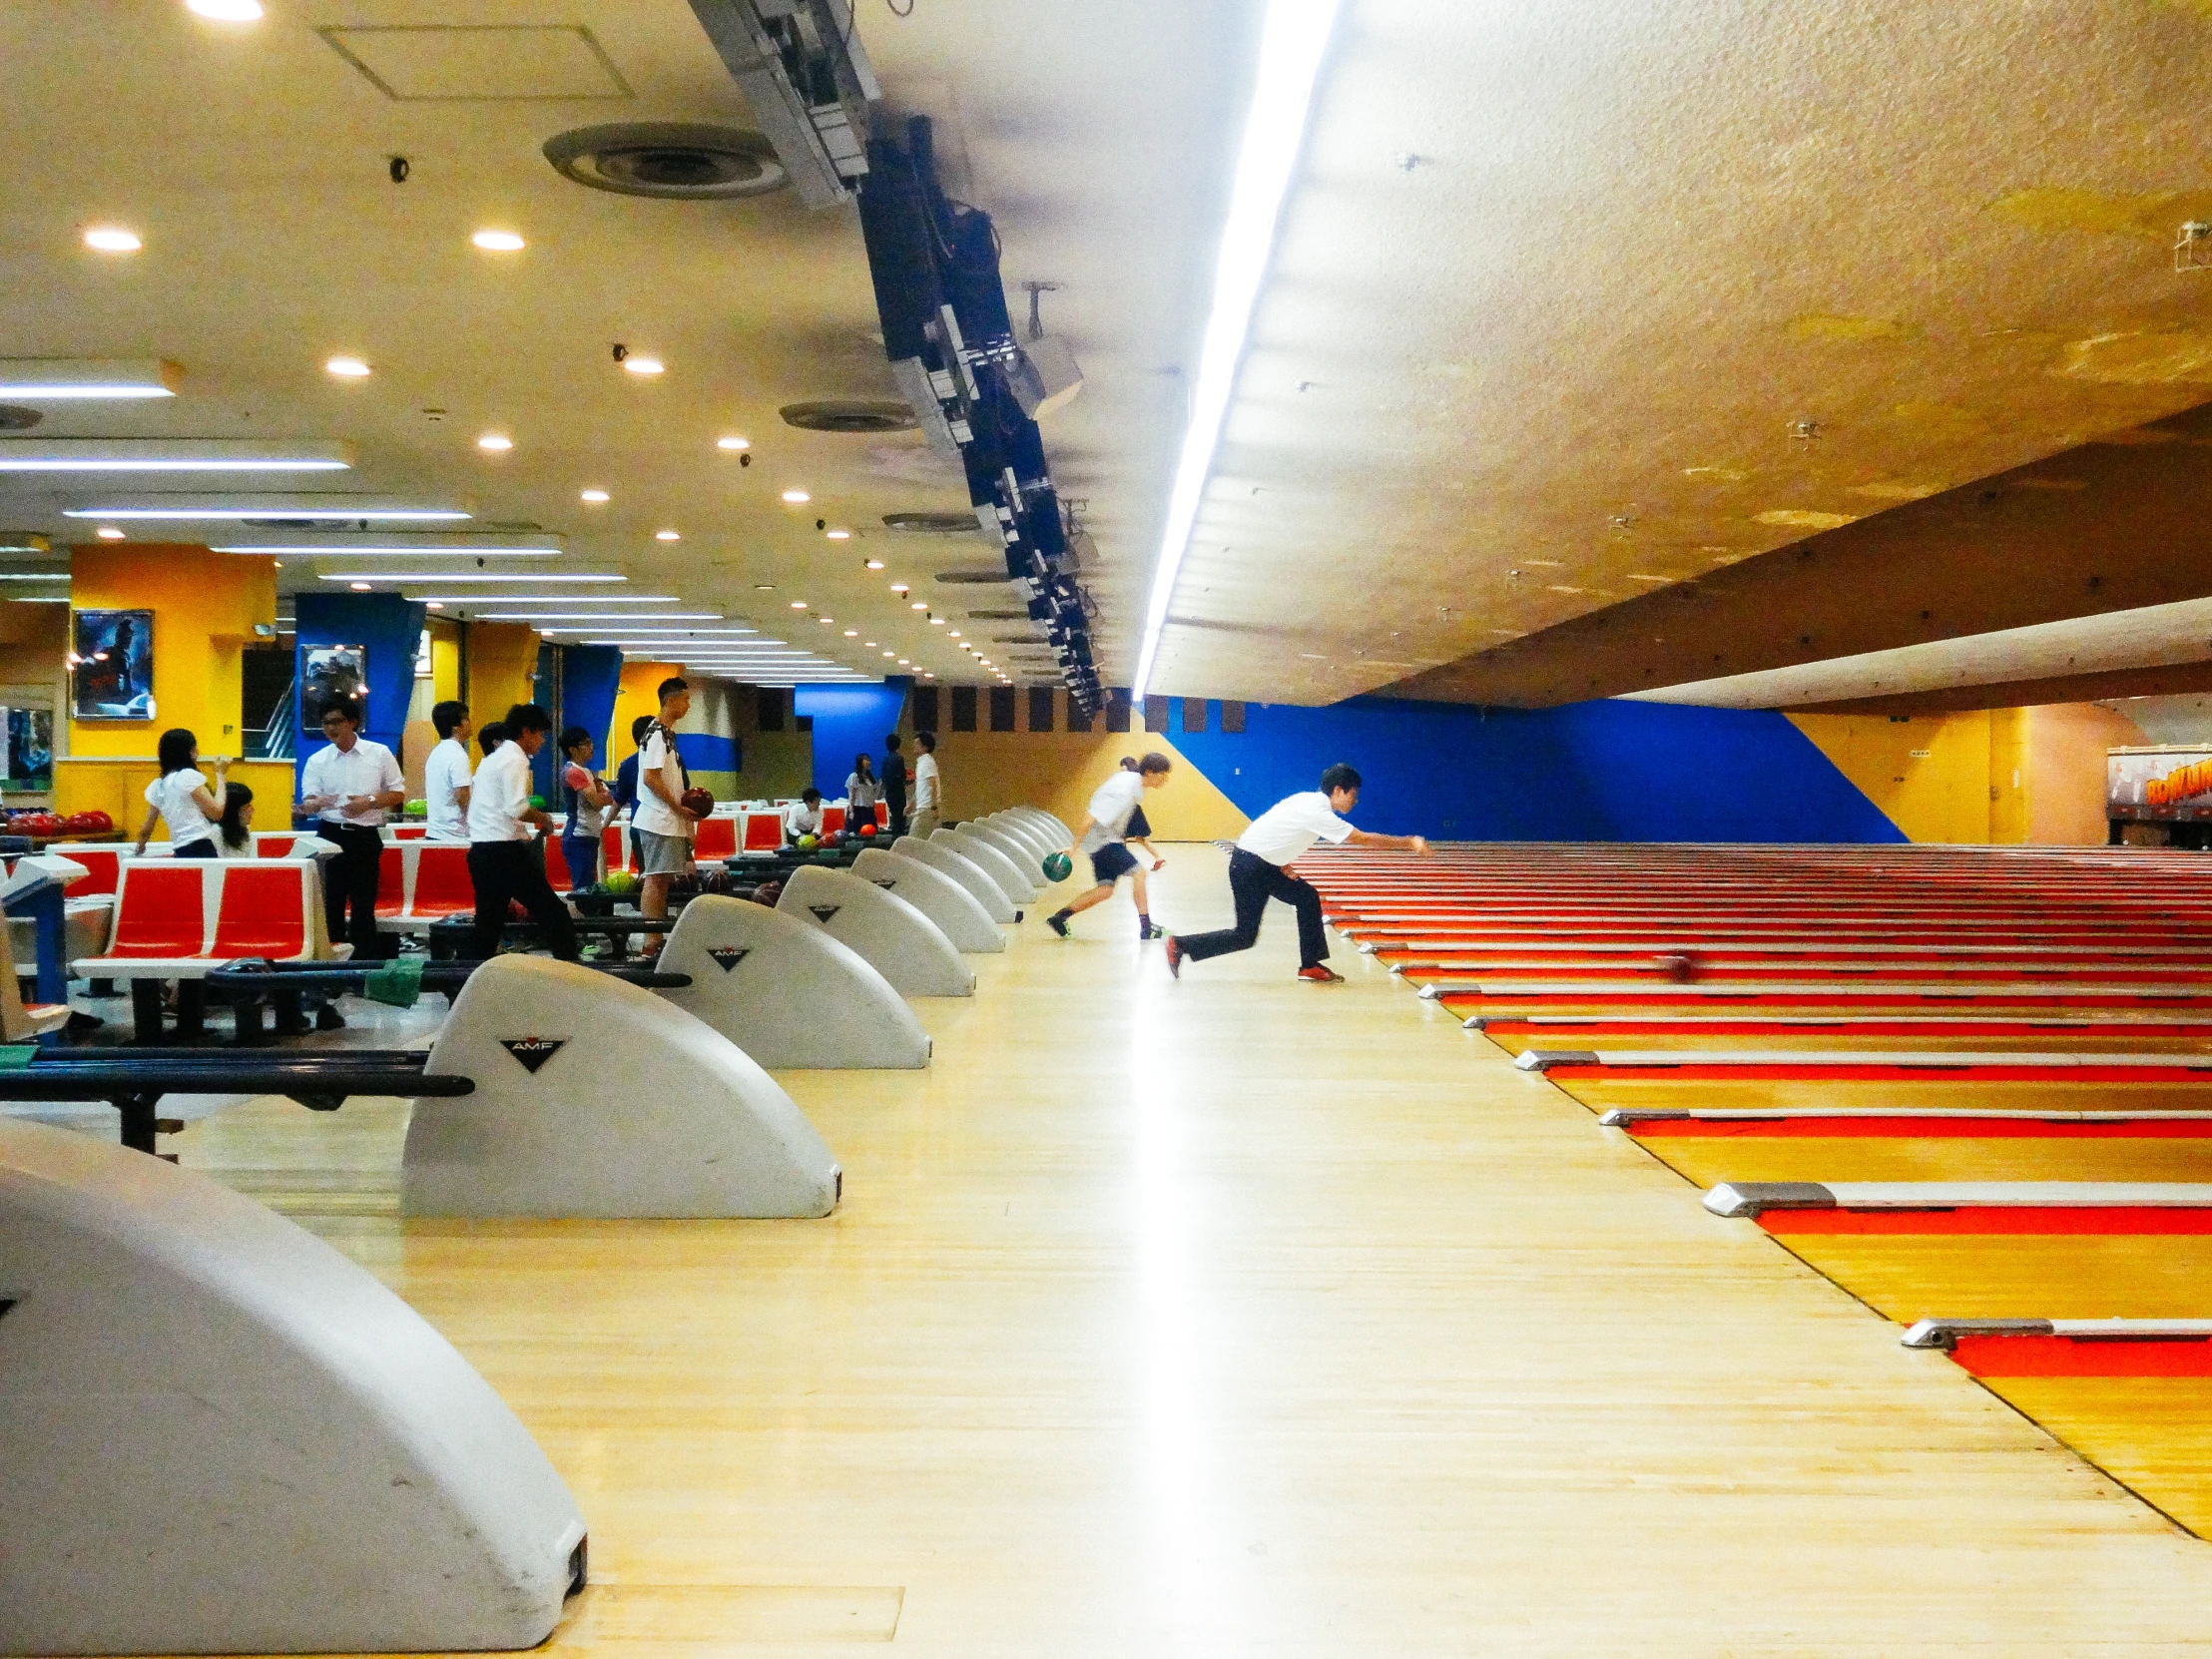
(1277, 838)
(350, 785)
(446, 773)
(862, 791)
(506, 862)
(803, 815)
(626, 779)
(894, 785)
(928, 788)
(180, 798)
(589, 808)
(663, 829)
(1100, 837)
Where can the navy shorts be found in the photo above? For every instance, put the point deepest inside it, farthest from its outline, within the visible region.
(1111, 862)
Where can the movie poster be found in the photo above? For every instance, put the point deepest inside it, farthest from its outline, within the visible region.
(327, 674)
(111, 665)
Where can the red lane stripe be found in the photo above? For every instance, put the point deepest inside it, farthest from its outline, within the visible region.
(1994, 1129)
(1560, 1035)
(1886, 1074)
(2025, 1219)
(1807, 999)
(2072, 1357)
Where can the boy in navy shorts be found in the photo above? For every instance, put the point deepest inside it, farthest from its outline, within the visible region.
(1100, 839)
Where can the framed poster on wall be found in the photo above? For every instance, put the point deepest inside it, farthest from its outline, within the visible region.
(329, 673)
(27, 750)
(111, 665)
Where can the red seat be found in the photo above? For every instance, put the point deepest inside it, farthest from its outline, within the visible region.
(160, 911)
(102, 871)
(614, 848)
(556, 864)
(718, 838)
(882, 815)
(274, 847)
(391, 882)
(263, 911)
(441, 884)
(764, 832)
(833, 820)
(410, 832)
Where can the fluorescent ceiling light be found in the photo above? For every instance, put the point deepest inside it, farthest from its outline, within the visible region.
(34, 575)
(474, 576)
(342, 549)
(662, 633)
(274, 504)
(1292, 40)
(591, 616)
(38, 599)
(172, 455)
(49, 379)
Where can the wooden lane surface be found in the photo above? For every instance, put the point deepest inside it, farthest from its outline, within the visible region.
(1239, 1315)
(1934, 1090)
(2057, 1153)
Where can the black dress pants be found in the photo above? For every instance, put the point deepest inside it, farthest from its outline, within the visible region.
(1252, 883)
(349, 881)
(504, 871)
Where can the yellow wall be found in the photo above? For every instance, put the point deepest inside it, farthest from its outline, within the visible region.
(2001, 776)
(986, 771)
(636, 695)
(117, 787)
(502, 668)
(205, 607)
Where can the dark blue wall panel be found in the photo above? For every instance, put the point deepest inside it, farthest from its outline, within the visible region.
(1601, 771)
(847, 721)
(392, 628)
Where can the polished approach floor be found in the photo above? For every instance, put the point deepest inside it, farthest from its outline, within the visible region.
(1239, 1315)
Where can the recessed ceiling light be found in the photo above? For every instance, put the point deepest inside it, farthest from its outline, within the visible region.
(111, 238)
(763, 587)
(905, 662)
(348, 368)
(956, 633)
(876, 564)
(799, 604)
(900, 587)
(643, 366)
(871, 644)
(890, 653)
(732, 442)
(919, 605)
(826, 620)
(838, 535)
(226, 11)
(360, 587)
(937, 622)
(594, 497)
(44, 380)
(495, 441)
(109, 532)
(666, 535)
(797, 498)
(928, 676)
(434, 604)
(853, 633)
(497, 241)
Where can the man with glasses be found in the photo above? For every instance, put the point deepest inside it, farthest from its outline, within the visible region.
(351, 786)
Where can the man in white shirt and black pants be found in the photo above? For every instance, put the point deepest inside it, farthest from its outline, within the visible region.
(928, 789)
(1276, 837)
(350, 785)
(506, 862)
(1100, 837)
(445, 774)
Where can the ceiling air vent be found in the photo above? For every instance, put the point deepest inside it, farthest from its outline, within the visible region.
(932, 524)
(679, 161)
(1000, 616)
(975, 578)
(859, 415)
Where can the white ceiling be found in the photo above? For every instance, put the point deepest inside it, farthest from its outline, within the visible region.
(253, 160)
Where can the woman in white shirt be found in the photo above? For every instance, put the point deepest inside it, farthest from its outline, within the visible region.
(180, 798)
(863, 789)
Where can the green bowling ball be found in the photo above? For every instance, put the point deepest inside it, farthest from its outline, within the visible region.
(537, 802)
(1058, 866)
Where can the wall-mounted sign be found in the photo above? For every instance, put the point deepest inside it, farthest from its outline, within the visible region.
(2171, 783)
(111, 665)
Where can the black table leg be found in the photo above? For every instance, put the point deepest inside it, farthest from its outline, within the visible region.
(249, 1029)
(146, 1011)
(192, 1009)
(137, 1118)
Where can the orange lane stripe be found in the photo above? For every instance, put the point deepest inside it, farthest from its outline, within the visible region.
(2072, 1357)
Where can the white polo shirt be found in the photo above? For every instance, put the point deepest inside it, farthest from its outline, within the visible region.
(926, 782)
(501, 796)
(1292, 825)
(366, 769)
(1111, 805)
(653, 815)
(444, 776)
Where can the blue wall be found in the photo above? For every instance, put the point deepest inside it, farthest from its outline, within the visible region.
(848, 720)
(392, 628)
(1601, 771)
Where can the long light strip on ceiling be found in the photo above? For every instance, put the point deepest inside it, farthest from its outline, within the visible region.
(50, 379)
(169, 455)
(466, 576)
(34, 575)
(327, 551)
(179, 512)
(579, 619)
(1293, 41)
